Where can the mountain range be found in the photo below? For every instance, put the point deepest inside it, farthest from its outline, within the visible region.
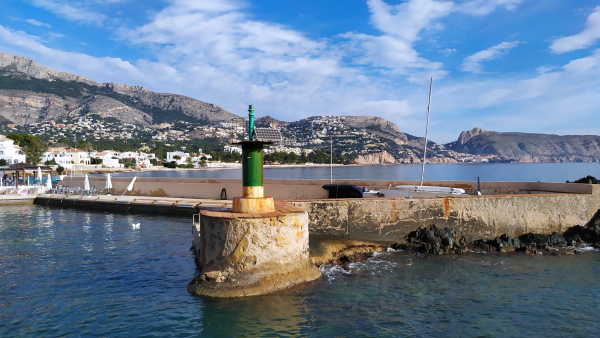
(31, 93)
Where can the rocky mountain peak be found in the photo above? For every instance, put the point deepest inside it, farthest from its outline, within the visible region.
(465, 136)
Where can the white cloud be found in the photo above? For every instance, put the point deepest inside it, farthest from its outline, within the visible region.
(485, 7)
(447, 51)
(64, 10)
(406, 20)
(53, 35)
(37, 23)
(560, 100)
(584, 39)
(214, 52)
(472, 63)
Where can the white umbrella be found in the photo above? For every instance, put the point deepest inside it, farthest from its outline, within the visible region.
(86, 184)
(49, 182)
(39, 175)
(108, 183)
(130, 186)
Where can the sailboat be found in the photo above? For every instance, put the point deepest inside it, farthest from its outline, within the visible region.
(420, 190)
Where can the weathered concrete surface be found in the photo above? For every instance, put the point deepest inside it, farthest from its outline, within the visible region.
(17, 199)
(477, 216)
(251, 254)
(131, 203)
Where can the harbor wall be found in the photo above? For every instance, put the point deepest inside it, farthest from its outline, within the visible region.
(488, 216)
(296, 189)
(512, 208)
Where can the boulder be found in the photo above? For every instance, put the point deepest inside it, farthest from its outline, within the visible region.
(531, 238)
(432, 239)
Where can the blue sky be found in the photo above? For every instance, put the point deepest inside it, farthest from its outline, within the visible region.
(502, 65)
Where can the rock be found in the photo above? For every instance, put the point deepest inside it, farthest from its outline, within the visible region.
(573, 234)
(376, 158)
(588, 234)
(432, 239)
(539, 239)
(557, 239)
(481, 244)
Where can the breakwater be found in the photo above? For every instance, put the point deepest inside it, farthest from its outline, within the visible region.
(512, 208)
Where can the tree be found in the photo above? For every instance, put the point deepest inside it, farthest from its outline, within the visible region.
(3, 161)
(34, 151)
(128, 162)
(177, 157)
(50, 162)
(82, 145)
(32, 146)
(59, 170)
(188, 160)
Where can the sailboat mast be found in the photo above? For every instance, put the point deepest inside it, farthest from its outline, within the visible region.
(426, 132)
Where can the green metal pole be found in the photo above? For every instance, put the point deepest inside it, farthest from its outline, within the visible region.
(251, 122)
(252, 164)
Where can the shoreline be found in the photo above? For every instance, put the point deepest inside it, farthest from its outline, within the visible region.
(278, 166)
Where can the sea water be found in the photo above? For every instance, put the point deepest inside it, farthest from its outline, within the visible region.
(67, 272)
(548, 172)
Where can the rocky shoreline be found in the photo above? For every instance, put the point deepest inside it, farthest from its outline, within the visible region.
(450, 240)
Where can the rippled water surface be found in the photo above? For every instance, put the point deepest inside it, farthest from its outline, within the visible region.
(548, 172)
(75, 273)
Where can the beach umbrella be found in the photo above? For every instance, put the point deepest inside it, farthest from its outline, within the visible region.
(39, 175)
(49, 182)
(130, 186)
(86, 183)
(108, 183)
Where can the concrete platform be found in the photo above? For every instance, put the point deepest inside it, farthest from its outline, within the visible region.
(127, 203)
(16, 199)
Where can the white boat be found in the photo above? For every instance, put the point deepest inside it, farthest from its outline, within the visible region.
(419, 190)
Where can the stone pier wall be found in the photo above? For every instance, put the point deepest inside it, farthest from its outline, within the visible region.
(391, 219)
(512, 208)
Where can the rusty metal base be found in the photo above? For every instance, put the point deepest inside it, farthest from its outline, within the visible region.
(253, 205)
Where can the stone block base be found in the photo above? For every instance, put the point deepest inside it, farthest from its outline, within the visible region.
(253, 283)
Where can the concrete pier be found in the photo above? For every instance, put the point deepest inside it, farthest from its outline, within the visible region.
(245, 254)
(164, 205)
(512, 208)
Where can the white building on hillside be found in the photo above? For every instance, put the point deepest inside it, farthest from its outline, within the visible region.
(182, 157)
(110, 158)
(232, 149)
(60, 156)
(10, 152)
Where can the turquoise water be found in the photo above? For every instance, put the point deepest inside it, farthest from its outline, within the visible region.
(69, 272)
(549, 172)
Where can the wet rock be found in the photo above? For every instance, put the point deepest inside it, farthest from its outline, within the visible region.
(397, 246)
(435, 240)
(481, 244)
(557, 239)
(573, 235)
(590, 233)
(531, 238)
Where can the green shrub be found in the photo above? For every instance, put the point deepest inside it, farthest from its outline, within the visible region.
(59, 170)
(50, 162)
(3, 161)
